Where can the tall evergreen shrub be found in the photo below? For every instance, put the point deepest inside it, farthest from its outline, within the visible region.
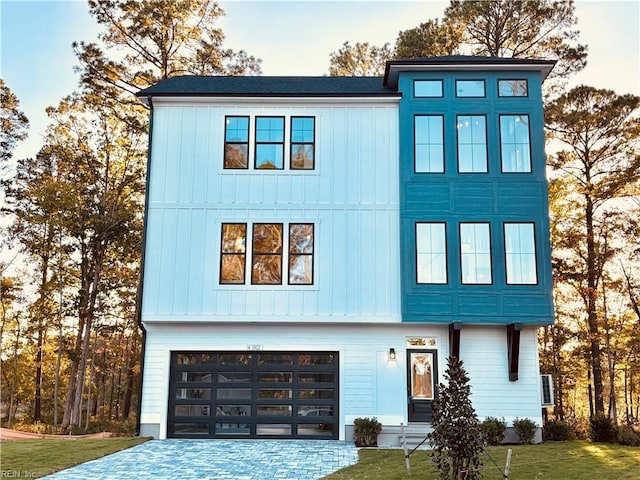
(456, 438)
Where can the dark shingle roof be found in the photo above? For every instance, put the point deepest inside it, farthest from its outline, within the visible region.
(269, 87)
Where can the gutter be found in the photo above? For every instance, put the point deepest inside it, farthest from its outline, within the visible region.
(149, 102)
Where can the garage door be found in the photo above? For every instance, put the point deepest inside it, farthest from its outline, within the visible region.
(253, 395)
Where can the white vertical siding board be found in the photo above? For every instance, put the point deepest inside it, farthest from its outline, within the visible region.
(336, 276)
(368, 263)
(167, 261)
(158, 162)
(370, 142)
(187, 157)
(202, 160)
(182, 270)
(196, 251)
(353, 247)
(339, 158)
(153, 254)
(352, 156)
(172, 165)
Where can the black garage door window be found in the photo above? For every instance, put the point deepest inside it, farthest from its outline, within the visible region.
(253, 395)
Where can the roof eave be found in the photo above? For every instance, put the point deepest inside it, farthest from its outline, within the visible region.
(393, 68)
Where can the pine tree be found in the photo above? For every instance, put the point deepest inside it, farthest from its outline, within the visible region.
(456, 437)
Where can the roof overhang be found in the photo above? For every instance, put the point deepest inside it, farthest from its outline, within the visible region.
(201, 99)
(395, 67)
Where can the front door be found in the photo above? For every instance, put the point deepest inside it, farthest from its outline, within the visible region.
(422, 373)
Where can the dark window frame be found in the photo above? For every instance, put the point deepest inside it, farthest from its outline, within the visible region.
(486, 147)
(535, 253)
(446, 253)
(258, 143)
(484, 87)
(292, 143)
(502, 163)
(268, 254)
(415, 145)
(526, 83)
(224, 154)
(291, 254)
(488, 224)
(223, 254)
(416, 81)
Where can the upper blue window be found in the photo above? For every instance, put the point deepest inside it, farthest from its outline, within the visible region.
(520, 253)
(429, 143)
(469, 88)
(302, 143)
(236, 142)
(427, 88)
(269, 143)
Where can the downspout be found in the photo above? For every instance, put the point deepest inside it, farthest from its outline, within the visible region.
(141, 281)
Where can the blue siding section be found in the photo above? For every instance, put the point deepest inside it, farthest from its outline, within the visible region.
(493, 197)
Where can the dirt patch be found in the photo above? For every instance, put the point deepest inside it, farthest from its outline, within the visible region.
(7, 434)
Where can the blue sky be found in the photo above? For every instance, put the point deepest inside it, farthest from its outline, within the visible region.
(292, 38)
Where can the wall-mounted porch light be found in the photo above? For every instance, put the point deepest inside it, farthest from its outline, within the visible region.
(392, 354)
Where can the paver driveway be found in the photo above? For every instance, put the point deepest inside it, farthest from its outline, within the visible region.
(218, 460)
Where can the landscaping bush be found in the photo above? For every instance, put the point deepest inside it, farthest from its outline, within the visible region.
(365, 432)
(456, 439)
(493, 430)
(602, 429)
(557, 430)
(525, 429)
(628, 436)
(580, 427)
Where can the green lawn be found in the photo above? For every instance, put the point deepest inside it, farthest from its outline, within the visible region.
(578, 460)
(37, 458)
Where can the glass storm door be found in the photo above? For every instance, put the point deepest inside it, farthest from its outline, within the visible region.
(422, 368)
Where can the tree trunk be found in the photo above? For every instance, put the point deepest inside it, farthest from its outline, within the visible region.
(592, 313)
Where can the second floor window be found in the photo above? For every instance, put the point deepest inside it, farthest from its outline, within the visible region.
(431, 253)
(520, 253)
(266, 248)
(472, 143)
(514, 143)
(429, 143)
(475, 253)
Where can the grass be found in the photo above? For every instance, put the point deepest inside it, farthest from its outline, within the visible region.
(577, 460)
(37, 458)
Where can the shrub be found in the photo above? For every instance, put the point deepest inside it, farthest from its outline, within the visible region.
(525, 429)
(579, 427)
(493, 430)
(456, 439)
(602, 429)
(557, 430)
(365, 432)
(628, 436)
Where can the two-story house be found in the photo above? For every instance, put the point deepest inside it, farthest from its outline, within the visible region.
(316, 247)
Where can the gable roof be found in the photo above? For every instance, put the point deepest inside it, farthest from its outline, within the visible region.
(258, 86)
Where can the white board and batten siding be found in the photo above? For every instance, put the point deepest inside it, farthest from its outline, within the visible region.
(351, 197)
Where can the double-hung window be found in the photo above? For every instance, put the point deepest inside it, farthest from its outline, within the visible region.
(269, 143)
(514, 143)
(268, 245)
(520, 253)
(475, 253)
(429, 143)
(302, 143)
(472, 143)
(236, 142)
(431, 253)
